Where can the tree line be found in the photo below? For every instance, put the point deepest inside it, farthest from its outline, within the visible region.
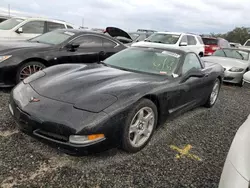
(238, 35)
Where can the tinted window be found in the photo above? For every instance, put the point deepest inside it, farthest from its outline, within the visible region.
(53, 26)
(163, 38)
(191, 40)
(34, 27)
(89, 41)
(191, 61)
(219, 53)
(108, 43)
(160, 62)
(54, 37)
(69, 27)
(210, 41)
(184, 38)
(2, 19)
(9, 24)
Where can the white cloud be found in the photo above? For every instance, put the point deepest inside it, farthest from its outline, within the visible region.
(202, 16)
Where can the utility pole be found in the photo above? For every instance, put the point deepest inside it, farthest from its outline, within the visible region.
(9, 9)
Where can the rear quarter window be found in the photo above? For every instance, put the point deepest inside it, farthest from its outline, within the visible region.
(200, 40)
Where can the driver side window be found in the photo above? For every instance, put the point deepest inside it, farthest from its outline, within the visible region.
(191, 61)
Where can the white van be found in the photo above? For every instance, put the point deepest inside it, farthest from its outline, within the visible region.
(23, 28)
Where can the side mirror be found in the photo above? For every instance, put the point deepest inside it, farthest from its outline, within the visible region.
(72, 46)
(19, 30)
(192, 73)
(183, 44)
(246, 77)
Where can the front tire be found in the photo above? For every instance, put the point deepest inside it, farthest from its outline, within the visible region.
(139, 126)
(28, 69)
(214, 94)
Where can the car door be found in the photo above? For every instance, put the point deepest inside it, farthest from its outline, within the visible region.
(88, 50)
(192, 88)
(31, 29)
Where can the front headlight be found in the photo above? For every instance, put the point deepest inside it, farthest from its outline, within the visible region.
(86, 139)
(236, 69)
(4, 57)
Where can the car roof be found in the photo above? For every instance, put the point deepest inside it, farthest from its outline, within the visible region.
(42, 19)
(208, 37)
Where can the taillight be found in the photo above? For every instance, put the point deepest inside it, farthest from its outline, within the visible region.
(215, 48)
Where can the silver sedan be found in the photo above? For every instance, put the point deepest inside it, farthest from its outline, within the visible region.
(236, 171)
(235, 62)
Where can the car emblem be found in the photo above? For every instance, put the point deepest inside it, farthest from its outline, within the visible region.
(33, 99)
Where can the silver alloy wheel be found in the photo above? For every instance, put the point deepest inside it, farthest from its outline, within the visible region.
(141, 126)
(29, 70)
(215, 92)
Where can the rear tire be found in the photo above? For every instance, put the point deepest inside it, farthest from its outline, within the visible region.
(139, 126)
(214, 94)
(28, 69)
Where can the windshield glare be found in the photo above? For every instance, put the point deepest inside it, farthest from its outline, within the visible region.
(54, 37)
(244, 54)
(10, 23)
(163, 38)
(159, 62)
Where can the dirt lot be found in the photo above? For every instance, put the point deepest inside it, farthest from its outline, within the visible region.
(203, 137)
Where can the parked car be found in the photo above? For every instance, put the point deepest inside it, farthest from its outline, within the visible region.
(117, 102)
(175, 40)
(235, 62)
(20, 59)
(235, 45)
(23, 28)
(246, 77)
(236, 171)
(212, 44)
(127, 38)
(3, 18)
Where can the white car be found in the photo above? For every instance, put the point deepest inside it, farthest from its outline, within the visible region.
(22, 28)
(236, 171)
(190, 42)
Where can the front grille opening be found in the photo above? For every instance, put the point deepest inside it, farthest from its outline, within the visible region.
(53, 135)
(228, 78)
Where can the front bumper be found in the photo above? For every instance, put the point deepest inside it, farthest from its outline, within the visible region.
(55, 121)
(7, 75)
(233, 77)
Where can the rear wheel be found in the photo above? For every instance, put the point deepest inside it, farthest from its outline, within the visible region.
(28, 69)
(214, 94)
(139, 126)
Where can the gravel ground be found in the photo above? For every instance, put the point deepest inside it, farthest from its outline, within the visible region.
(25, 162)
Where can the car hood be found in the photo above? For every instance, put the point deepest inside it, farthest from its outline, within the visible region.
(88, 83)
(7, 46)
(116, 32)
(227, 62)
(239, 153)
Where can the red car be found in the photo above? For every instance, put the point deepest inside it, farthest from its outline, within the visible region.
(213, 44)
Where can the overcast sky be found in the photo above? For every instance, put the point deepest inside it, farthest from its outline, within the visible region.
(199, 16)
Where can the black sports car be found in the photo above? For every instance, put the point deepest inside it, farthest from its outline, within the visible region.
(20, 59)
(120, 100)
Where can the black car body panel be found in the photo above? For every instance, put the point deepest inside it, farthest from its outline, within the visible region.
(96, 98)
(49, 55)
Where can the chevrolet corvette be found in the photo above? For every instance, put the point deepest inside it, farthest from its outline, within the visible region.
(118, 101)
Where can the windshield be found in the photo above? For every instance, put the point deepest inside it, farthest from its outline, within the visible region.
(11, 23)
(153, 61)
(54, 37)
(209, 41)
(163, 38)
(244, 54)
